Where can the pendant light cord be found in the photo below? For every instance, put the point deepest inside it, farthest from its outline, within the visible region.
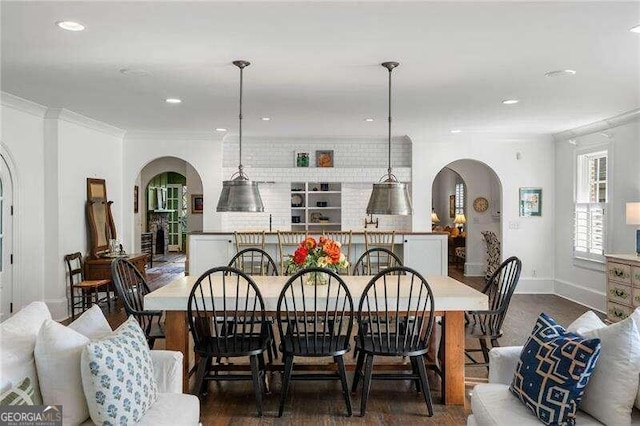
(389, 168)
(240, 116)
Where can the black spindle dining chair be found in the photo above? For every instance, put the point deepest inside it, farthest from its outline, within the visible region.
(255, 261)
(375, 260)
(315, 320)
(391, 297)
(132, 287)
(230, 294)
(487, 325)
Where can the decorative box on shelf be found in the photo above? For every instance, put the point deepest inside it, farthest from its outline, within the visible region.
(623, 285)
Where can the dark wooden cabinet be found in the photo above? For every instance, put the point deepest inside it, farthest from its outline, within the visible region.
(100, 269)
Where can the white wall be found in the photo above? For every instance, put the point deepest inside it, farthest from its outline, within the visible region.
(444, 185)
(584, 282)
(533, 237)
(202, 151)
(21, 134)
(54, 151)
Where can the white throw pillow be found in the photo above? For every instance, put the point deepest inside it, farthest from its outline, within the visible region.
(58, 353)
(118, 377)
(635, 316)
(92, 324)
(612, 390)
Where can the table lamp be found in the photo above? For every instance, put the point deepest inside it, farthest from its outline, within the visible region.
(633, 218)
(460, 220)
(434, 217)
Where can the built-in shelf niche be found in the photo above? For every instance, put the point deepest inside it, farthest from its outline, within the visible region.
(317, 206)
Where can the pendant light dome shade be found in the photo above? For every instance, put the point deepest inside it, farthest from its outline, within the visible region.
(390, 197)
(239, 194)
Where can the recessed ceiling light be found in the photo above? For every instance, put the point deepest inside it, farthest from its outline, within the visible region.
(136, 72)
(173, 101)
(635, 29)
(70, 25)
(266, 118)
(560, 73)
(368, 120)
(221, 129)
(510, 101)
(456, 131)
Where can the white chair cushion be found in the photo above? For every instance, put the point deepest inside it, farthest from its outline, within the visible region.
(612, 390)
(92, 324)
(118, 377)
(635, 316)
(58, 352)
(494, 405)
(17, 341)
(173, 409)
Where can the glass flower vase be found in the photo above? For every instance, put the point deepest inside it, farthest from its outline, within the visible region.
(318, 278)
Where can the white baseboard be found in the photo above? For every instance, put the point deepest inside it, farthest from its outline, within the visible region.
(58, 308)
(585, 296)
(530, 285)
(474, 269)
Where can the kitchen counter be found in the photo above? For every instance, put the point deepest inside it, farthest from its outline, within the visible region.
(425, 252)
(398, 232)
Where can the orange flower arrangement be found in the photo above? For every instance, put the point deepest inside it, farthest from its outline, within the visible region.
(324, 253)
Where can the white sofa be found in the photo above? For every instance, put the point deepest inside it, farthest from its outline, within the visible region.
(17, 343)
(493, 404)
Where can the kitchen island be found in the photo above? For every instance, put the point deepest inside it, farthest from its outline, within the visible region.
(426, 252)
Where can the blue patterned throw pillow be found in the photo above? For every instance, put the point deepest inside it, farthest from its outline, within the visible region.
(118, 378)
(553, 371)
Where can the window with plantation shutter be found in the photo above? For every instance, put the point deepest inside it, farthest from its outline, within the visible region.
(460, 198)
(589, 238)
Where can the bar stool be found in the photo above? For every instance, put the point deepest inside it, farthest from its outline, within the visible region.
(344, 238)
(288, 239)
(80, 289)
(379, 239)
(249, 239)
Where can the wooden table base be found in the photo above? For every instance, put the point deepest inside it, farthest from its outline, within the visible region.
(177, 339)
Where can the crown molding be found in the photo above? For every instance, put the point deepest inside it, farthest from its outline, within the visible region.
(599, 126)
(15, 102)
(84, 121)
(173, 135)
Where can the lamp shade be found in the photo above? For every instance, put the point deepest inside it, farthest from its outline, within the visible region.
(434, 217)
(633, 214)
(390, 197)
(460, 219)
(240, 195)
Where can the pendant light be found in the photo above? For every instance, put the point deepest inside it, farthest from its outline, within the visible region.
(389, 196)
(239, 194)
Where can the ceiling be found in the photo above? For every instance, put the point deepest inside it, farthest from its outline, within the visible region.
(315, 66)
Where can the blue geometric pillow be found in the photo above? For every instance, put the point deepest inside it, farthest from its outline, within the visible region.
(553, 371)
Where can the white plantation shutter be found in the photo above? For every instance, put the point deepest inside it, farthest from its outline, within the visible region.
(589, 231)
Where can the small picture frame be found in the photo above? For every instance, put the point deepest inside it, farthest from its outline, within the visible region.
(530, 202)
(452, 206)
(324, 158)
(301, 159)
(135, 199)
(197, 204)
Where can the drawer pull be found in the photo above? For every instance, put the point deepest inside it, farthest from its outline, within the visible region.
(618, 313)
(617, 292)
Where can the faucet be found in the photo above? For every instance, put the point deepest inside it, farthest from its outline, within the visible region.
(370, 221)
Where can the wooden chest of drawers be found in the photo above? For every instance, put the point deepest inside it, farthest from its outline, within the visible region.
(623, 285)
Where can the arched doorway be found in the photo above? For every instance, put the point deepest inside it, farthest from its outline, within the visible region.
(166, 216)
(6, 240)
(467, 199)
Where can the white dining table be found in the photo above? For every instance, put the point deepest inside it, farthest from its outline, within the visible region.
(451, 299)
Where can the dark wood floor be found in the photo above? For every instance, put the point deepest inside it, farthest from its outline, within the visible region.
(313, 403)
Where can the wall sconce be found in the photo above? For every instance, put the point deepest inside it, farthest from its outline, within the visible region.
(371, 221)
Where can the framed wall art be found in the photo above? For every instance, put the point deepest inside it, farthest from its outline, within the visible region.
(324, 158)
(452, 206)
(197, 204)
(530, 201)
